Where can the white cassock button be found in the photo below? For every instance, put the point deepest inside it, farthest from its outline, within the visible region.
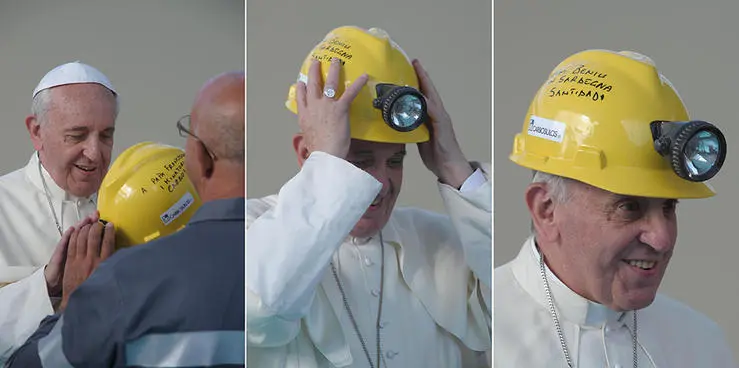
(368, 262)
(375, 292)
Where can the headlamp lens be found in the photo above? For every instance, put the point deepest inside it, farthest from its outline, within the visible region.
(701, 153)
(406, 111)
(403, 108)
(696, 149)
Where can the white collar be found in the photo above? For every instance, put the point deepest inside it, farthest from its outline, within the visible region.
(360, 241)
(390, 234)
(569, 305)
(55, 191)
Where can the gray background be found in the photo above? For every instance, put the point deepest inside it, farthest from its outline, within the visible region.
(694, 44)
(452, 41)
(157, 54)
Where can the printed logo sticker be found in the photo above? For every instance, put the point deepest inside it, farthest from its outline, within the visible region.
(178, 208)
(548, 129)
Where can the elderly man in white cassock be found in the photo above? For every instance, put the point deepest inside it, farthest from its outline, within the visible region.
(74, 109)
(336, 275)
(613, 149)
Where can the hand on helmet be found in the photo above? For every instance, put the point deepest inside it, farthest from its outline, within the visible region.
(441, 154)
(323, 118)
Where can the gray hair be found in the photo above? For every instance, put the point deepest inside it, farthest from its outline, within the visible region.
(556, 185)
(42, 101)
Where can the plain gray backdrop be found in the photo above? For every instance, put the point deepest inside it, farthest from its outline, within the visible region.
(695, 46)
(157, 54)
(453, 43)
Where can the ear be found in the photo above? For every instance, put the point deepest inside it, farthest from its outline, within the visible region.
(34, 130)
(541, 207)
(203, 163)
(301, 148)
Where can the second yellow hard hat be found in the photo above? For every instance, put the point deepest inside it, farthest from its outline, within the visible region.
(146, 193)
(612, 120)
(390, 107)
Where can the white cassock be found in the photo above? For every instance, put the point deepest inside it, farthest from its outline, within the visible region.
(436, 294)
(28, 236)
(669, 333)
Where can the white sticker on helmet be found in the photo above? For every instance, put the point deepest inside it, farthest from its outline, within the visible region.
(177, 209)
(547, 129)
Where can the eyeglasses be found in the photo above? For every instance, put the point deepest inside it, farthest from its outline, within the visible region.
(183, 127)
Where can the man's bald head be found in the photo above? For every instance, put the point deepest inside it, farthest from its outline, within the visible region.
(217, 115)
(217, 120)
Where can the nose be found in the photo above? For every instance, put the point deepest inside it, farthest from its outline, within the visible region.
(91, 148)
(659, 232)
(380, 173)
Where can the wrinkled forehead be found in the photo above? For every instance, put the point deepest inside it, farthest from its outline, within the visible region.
(82, 91)
(593, 193)
(361, 147)
(88, 102)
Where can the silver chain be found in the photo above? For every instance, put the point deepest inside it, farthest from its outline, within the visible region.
(634, 341)
(379, 309)
(553, 312)
(48, 196)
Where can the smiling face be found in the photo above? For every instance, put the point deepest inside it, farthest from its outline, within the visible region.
(75, 136)
(384, 161)
(613, 249)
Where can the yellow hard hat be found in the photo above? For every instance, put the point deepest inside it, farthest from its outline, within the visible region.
(612, 120)
(390, 107)
(147, 194)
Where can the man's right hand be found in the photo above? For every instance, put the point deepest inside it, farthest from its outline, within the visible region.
(54, 270)
(324, 120)
(88, 247)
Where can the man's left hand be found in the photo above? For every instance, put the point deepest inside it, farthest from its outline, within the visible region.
(88, 247)
(441, 154)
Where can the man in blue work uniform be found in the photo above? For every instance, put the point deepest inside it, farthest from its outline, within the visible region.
(177, 301)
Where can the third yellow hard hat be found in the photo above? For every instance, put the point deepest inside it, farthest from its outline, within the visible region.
(146, 194)
(390, 107)
(612, 120)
